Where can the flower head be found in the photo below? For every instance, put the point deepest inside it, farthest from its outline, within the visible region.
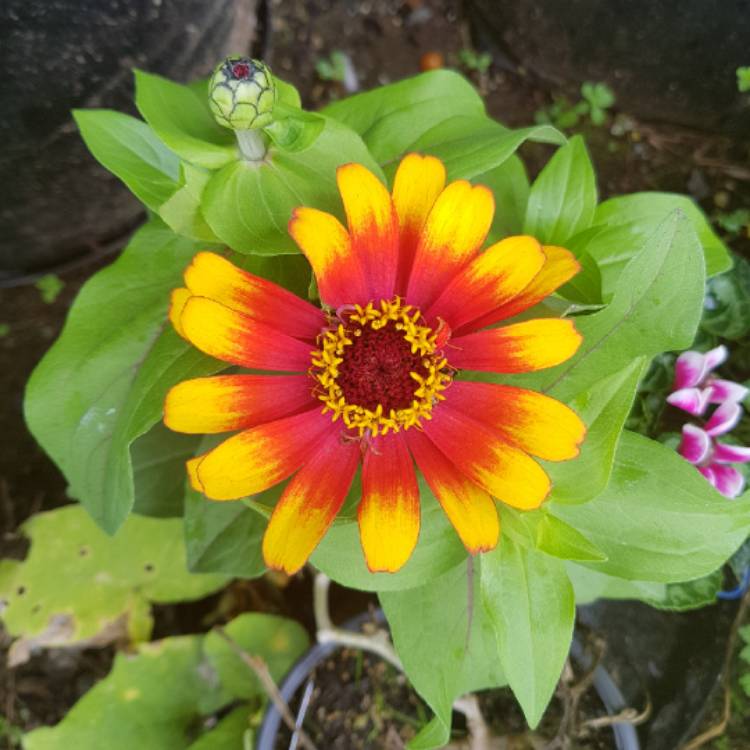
(242, 94)
(406, 301)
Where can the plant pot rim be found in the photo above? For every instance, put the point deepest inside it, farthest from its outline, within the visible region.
(625, 735)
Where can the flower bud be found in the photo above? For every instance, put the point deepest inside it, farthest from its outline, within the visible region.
(242, 94)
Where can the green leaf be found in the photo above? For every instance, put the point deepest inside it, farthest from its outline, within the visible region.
(278, 640)
(232, 732)
(391, 118)
(510, 186)
(529, 600)
(472, 146)
(248, 205)
(180, 116)
(76, 582)
(586, 286)
(603, 408)
(182, 212)
(558, 539)
(446, 644)
(590, 585)
(656, 307)
(340, 555)
(563, 198)
(293, 129)
(727, 311)
(129, 149)
(223, 537)
(658, 519)
(76, 394)
(158, 459)
(630, 219)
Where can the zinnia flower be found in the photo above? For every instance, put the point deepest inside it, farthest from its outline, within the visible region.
(407, 299)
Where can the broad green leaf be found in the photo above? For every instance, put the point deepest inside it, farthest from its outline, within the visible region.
(590, 585)
(558, 539)
(77, 582)
(278, 640)
(340, 555)
(510, 186)
(727, 311)
(586, 286)
(630, 219)
(158, 459)
(75, 396)
(528, 598)
(223, 537)
(153, 700)
(180, 116)
(391, 118)
(182, 213)
(656, 307)
(166, 694)
(659, 519)
(293, 129)
(472, 146)
(129, 149)
(603, 408)
(248, 205)
(562, 199)
(445, 642)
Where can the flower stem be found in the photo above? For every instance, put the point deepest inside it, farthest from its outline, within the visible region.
(251, 143)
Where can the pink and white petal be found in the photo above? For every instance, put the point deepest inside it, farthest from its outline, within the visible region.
(388, 513)
(716, 357)
(731, 454)
(373, 227)
(692, 400)
(708, 473)
(213, 276)
(726, 390)
(309, 504)
(689, 370)
(724, 419)
(695, 444)
(728, 480)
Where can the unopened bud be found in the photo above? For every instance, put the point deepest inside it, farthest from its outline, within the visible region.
(242, 94)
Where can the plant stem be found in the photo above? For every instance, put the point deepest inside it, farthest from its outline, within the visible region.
(252, 145)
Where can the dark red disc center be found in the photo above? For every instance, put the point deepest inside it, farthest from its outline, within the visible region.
(376, 370)
(241, 70)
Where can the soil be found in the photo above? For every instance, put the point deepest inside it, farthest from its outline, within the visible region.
(384, 41)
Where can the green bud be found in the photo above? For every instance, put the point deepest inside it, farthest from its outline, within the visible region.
(242, 94)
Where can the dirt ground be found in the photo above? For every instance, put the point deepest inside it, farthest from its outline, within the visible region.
(385, 41)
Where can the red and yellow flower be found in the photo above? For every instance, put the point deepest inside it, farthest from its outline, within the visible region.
(370, 379)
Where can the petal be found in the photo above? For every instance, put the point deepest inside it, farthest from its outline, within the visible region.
(192, 471)
(177, 301)
(309, 504)
(328, 248)
(728, 480)
(716, 357)
(418, 182)
(493, 278)
(695, 444)
(560, 266)
(233, 337)
(731, 454)
(520, 347)
(708, 473)
(373, 227)
(724, 418)
(258, 458)
(726, 390)
(235, 402)
(469, 508)
(533, 422)
(454, 231)
(210, 275)
(505, 471)
(389, 510)
(689, 370)
(692, 400)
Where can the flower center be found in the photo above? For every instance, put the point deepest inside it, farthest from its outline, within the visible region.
(378, 369)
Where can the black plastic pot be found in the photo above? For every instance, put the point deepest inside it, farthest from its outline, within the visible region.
(56, 202)
(624, 734)
(665, 60)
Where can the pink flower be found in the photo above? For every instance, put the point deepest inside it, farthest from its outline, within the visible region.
(714, 459)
